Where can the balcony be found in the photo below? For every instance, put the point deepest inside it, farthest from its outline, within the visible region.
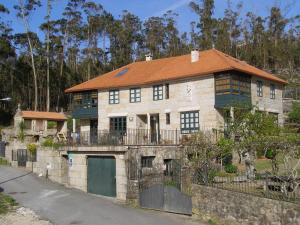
(134, 137)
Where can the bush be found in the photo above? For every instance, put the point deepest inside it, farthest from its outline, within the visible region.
(270, 154)
(51, 124)
(230, 168)
(49, 142)
(32, 148)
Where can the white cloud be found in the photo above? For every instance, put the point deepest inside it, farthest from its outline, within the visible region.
(175, 6)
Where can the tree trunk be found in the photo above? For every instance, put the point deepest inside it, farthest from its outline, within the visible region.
(31, 55)
(47, 53)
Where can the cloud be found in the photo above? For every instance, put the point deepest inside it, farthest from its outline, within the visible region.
(175, 6)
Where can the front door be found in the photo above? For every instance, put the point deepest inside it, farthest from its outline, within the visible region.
(101, 176)
(93, 131)
(154, 128)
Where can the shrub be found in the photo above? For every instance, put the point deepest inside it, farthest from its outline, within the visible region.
(51, 124)
(230, 168)
(49, 142)
(270, 154)
(32, 148)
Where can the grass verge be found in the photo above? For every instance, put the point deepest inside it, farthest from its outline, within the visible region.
(6, 203)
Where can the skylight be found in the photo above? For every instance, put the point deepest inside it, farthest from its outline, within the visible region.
(122, 72)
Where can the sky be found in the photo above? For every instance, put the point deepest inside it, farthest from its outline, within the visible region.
(147, 8)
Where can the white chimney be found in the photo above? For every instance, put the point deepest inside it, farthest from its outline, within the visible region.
(195, 56)
(148, 57)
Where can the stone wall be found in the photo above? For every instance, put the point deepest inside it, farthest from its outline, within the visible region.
(239, 208)
(54, 162)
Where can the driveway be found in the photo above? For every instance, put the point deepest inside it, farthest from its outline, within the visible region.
(64, 206)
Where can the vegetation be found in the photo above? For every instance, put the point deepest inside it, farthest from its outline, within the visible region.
(49, 142)
(230, 168)
(21, 134)
(32, 148)
(51, 124)
(87, 41)
(6, 203)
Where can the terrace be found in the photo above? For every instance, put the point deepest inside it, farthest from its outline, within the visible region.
(135, 137)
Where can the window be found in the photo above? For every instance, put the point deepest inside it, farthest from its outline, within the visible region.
(259, 88)
(118, 124)
(94, 99)
(168, 118)
(272, 91)
(114, 97)
(167, 91)
(157, 92)
(239, 84)
(135, 95)
(189, 122)
(27, 124)
(147, 161)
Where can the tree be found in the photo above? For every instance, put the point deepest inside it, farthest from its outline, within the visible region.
(205, 10)
(47, 53)
(24, 9)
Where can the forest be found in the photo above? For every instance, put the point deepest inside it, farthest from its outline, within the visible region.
(88, 41)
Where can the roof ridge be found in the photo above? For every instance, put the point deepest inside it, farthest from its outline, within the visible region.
(223, 57)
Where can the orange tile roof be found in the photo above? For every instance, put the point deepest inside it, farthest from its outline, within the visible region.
(43, 115)
(180, 67)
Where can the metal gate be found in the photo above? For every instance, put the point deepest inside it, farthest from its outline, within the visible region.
(162, 191)
(2, 149)
(101, 176)
(22, 157)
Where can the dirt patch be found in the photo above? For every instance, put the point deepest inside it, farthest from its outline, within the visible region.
(22, 216)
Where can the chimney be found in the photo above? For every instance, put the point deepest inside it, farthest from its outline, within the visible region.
(149, 57)
(195, 55)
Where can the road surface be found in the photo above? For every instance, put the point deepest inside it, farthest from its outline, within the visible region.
(65, 206)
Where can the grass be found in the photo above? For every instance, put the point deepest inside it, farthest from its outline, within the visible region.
(6, 203)
(263, 165)
(3, 161)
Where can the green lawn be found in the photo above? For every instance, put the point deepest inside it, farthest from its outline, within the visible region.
(263, 165)
(6, 203)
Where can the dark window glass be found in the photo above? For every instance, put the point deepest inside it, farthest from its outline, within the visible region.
(118, 124)
(114, 97)
(157, 92)
(272, 91)
(167, 91)
(168, 120)
(135, 95)
(233, 84)
(189, 122)
(259, 85)
(147, 161)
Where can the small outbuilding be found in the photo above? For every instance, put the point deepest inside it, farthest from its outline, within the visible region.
(38, 123)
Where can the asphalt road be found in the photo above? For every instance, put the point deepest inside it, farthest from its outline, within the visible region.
(64, 206)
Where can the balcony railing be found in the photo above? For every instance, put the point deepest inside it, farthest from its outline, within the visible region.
(131, 137)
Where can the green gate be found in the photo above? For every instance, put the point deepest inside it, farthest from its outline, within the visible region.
(101, 176)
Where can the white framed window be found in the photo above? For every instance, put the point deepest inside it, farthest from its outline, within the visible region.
(114, 97)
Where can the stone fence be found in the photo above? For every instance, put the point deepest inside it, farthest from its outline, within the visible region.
(238, 208)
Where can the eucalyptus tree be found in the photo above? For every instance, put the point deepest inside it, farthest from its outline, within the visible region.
(155, 36)
(205, 10)
(24, 9)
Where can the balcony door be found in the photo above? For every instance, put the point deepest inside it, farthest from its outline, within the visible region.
(93, 131)
(154, 128)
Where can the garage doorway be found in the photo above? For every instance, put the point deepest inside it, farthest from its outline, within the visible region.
(101, 175)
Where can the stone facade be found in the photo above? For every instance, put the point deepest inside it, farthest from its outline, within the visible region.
(187, 95)
(265, 103)
(238, 208)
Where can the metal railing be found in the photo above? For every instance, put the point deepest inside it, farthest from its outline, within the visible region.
(129, 137)
(281, 188)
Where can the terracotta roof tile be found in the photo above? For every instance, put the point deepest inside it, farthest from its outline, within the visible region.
(140, 73)
(43, 115)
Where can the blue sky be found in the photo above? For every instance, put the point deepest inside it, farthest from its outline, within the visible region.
(147, 8)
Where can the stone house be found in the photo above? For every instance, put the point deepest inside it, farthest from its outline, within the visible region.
(33, 127)
(150, 107)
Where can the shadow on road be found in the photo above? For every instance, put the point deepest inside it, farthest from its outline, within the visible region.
(14, 178)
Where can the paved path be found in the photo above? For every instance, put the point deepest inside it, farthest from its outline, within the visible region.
(64, 206)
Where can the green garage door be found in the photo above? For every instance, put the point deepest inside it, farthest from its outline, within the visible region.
(101, 177)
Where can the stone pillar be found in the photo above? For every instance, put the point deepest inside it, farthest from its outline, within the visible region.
(74, 125)
(121, 177)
